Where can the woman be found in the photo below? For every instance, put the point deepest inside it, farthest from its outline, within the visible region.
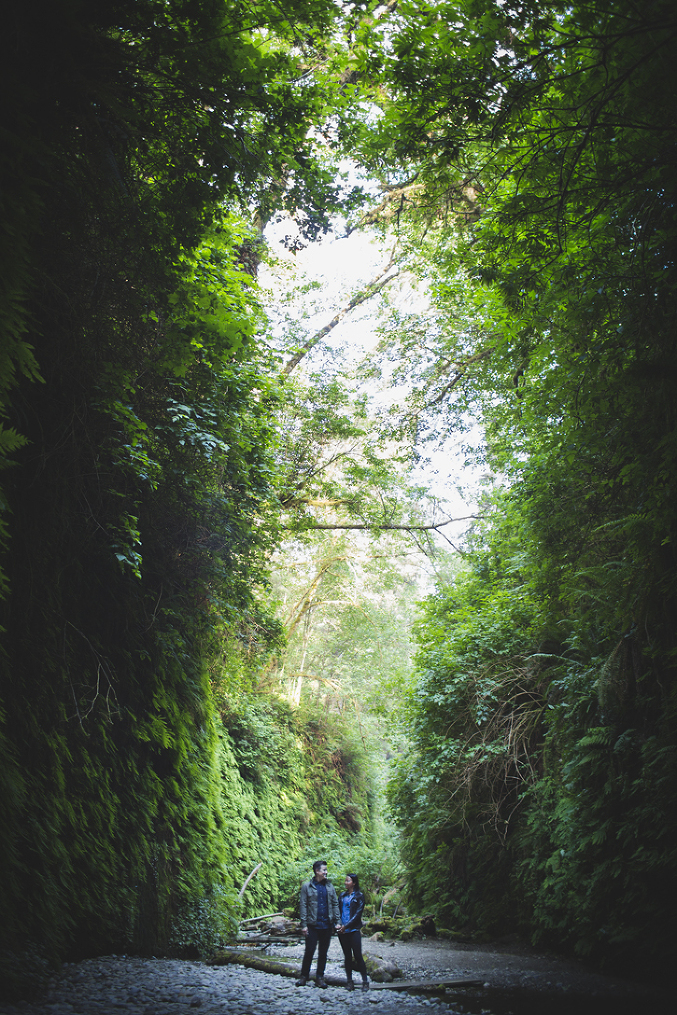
(351, 904)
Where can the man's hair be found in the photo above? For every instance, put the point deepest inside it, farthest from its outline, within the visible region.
(318, 864)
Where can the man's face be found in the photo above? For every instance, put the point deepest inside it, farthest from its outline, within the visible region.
(321, 873)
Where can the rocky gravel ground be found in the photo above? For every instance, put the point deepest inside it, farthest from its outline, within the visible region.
(118, 984)
(516, 982)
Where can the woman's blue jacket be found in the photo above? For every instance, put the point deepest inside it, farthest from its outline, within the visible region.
(356, 907)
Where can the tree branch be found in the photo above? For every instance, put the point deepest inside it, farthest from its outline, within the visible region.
(372, 289)
(461, 371)
(385, 525)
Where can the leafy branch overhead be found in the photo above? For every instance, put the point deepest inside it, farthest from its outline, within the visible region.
(389, 527)
(373, 288)
(339, 472)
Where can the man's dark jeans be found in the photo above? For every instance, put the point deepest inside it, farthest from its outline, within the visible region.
(316, 939)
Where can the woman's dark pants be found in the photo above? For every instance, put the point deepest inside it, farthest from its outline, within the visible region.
(351, 943)
(316, 939)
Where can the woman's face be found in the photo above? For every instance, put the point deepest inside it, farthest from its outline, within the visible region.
(350, 884)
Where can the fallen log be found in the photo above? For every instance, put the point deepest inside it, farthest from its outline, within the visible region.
(430, 985)
(272, 939)
(253, 960)
(256, 960)
(257, 919)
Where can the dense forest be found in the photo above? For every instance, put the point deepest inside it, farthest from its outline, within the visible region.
(213, 527)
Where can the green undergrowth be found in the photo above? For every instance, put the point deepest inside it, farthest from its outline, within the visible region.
(293, 781)
(363, 853)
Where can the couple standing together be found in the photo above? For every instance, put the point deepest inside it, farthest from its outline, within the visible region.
(321, 912)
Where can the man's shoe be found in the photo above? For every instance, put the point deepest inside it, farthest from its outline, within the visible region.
(350, 985)
(302, 981)
(320, 982)
(365, 984)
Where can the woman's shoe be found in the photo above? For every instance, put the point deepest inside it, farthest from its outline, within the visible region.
(350, 985)
(365, 984)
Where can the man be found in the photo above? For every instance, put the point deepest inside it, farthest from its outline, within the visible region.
(319, 915)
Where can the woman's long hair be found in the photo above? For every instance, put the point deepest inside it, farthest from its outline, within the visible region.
(355, 880)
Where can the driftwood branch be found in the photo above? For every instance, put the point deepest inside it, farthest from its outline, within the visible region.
(255, 871)
(257, 919)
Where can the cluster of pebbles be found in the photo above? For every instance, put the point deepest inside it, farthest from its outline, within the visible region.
(136, 986)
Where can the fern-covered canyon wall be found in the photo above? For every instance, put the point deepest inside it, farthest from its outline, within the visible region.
(143, 776)
(540, 794)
